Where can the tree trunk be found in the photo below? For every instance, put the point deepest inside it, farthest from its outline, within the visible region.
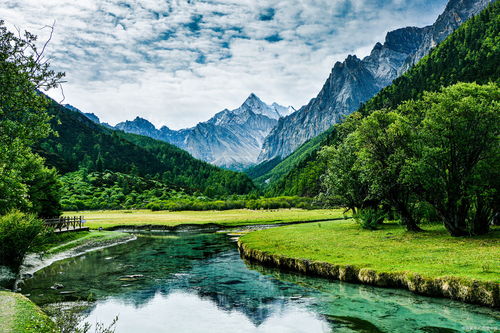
(454, 227)
(407, 220)
(481, 222)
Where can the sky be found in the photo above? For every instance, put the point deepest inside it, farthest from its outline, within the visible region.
(178, 62)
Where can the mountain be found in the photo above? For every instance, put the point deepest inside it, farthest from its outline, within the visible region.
(91, 116)
(467, 55)
(355, 80)
(230, 139)
(82, 143)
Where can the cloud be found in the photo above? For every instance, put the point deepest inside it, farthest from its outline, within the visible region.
(178, 62)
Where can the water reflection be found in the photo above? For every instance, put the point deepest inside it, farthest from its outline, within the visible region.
(189, 313)
(195, 282)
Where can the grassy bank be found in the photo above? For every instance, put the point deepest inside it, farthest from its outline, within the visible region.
(116, 218)
(19, 315)
(376, 256)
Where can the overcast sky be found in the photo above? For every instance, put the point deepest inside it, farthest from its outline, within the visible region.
(178, 62)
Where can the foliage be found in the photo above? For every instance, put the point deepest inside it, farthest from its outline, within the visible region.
(24, 121)
(111, 190)
(82, 144)
(382, 144)
(470, 54)
(342, 182)
(17, 233)
(370, 218)
(202, 205)
(441, 150)
(456, 156)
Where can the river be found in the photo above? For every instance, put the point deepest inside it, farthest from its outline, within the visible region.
(195, 281)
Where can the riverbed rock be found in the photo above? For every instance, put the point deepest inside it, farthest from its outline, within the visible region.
(56, 286)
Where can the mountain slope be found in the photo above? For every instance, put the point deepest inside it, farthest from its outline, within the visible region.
(470, 54)
(231, 139)
(83, 143)
(354, 81)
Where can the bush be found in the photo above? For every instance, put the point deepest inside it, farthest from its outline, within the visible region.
(17, 232)
(370, 218)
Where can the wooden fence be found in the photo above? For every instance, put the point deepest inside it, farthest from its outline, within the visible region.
(65, 223)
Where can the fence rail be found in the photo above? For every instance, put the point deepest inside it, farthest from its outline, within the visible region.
(65, 223)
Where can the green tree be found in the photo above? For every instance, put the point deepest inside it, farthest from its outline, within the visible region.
(23, 118)
(384, 140)
(457, 155)
(342, 182)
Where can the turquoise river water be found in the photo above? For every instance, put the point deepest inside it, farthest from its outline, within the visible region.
(195, 281)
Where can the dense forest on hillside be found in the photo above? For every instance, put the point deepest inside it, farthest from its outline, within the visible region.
(84, 190)
(80, 143)
(470, 54)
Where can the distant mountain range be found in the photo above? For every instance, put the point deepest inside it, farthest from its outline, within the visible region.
(230, 139)
(257, 132)
(355, 80)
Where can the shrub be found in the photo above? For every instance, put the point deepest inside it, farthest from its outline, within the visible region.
(17, 233)
(370, 218)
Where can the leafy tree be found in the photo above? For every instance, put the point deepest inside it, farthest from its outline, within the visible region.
(23, 117)
(342, 181)
(384, 140)
(457, 155)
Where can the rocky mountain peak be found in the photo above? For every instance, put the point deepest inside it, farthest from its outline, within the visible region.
(354, 81)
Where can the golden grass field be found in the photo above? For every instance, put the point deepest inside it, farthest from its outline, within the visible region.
(236, 217)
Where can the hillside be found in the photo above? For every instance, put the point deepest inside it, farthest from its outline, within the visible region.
(470, 54)
(356, 80)
(81, 143)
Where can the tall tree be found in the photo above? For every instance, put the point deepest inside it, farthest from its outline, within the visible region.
(383, 140)
(24, 71)
(457, 155)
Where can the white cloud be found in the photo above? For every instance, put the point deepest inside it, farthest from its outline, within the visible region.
(178, 62)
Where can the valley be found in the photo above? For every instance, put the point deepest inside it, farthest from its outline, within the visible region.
(374, 207)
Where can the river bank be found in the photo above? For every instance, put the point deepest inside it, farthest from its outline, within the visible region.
(430, 263)
(20, 315)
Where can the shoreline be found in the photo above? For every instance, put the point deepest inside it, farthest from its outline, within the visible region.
(459, 289)
(34, 262)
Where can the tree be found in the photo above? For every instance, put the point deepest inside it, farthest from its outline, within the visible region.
(342, 182)
(383, 141)
(24, 71)
(457, 155)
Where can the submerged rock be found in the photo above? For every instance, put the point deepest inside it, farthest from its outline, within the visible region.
(57, 286)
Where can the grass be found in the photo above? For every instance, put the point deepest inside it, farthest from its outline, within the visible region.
(19, 315)
(117, 218)
(391, 249)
